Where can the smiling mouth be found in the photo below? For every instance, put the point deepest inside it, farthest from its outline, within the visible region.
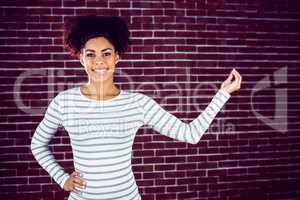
(101, 71)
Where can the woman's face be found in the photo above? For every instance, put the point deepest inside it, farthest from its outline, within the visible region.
(99, 58)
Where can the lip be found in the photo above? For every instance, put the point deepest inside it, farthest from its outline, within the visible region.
(101, 71)
(102, 68)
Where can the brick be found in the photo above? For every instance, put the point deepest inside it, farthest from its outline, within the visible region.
(152, 175)
(159, 167)
(165, 182)
(176, 189)
(180, 48)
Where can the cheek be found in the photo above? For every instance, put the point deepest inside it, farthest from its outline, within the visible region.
(111, 63)
(88, 66)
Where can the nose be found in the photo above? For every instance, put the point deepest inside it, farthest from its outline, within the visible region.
(99, 61)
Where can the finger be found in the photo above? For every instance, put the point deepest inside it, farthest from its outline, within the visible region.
(75, 173)
(236, 79)
(75, 190)
(240, 77)
(77, 185)
(229, 78)
(237, 83)
(236, 75)
(76, 176)
(80, 181)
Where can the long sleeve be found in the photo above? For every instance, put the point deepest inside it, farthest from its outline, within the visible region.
(167, 124)
(40, 140)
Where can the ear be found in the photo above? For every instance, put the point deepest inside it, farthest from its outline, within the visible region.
(81, 58)
(117, 58)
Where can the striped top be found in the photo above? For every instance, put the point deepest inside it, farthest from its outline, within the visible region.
(102, 134)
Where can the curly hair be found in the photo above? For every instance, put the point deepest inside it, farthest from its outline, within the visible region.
(78, 30)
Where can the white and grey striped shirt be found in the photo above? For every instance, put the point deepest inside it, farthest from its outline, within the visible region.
(102, 134)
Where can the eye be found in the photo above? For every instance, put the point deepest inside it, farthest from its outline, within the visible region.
(90, 55)
(107, 54)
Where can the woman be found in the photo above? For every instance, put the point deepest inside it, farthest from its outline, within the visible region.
(102, 119)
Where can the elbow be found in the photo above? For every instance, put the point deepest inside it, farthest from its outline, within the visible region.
(33, 144)
(195, 140)
(191, 137)
(192, 140)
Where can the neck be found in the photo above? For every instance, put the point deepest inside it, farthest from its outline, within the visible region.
(102, 88)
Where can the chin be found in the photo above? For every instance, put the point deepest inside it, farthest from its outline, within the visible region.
(97, 78)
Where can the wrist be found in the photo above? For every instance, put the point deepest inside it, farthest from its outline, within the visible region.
(225, 92)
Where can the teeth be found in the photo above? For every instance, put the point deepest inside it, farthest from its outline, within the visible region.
(101, 71)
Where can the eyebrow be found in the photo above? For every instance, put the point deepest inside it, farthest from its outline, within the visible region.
(101, 50)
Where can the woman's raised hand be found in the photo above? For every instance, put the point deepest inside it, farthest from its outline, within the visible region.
(230, 86)
(74, 182)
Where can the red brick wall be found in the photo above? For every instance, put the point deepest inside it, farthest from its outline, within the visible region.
(181, 52)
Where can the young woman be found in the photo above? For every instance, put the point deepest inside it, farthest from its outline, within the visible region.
(102, 119)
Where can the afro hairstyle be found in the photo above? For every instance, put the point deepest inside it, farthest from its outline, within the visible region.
(78, 30)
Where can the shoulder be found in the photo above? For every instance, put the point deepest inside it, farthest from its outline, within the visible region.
(64, 95)
(68, 91)
(138, 96)
(141, 99)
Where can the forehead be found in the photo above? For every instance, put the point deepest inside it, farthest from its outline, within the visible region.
(98, 43)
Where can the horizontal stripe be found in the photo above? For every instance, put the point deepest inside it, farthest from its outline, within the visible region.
(103, 151)
(109, 171)
(98, 165)
(112, 192)
(99, 180)
(95, 111)
(102, 143)
(100, 124)
(100, 137)
(113, 185)
(102, 134)
(102, 158)
(105, 133)
(102, 117)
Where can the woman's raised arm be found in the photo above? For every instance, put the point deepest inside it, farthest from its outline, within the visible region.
(167, 124)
